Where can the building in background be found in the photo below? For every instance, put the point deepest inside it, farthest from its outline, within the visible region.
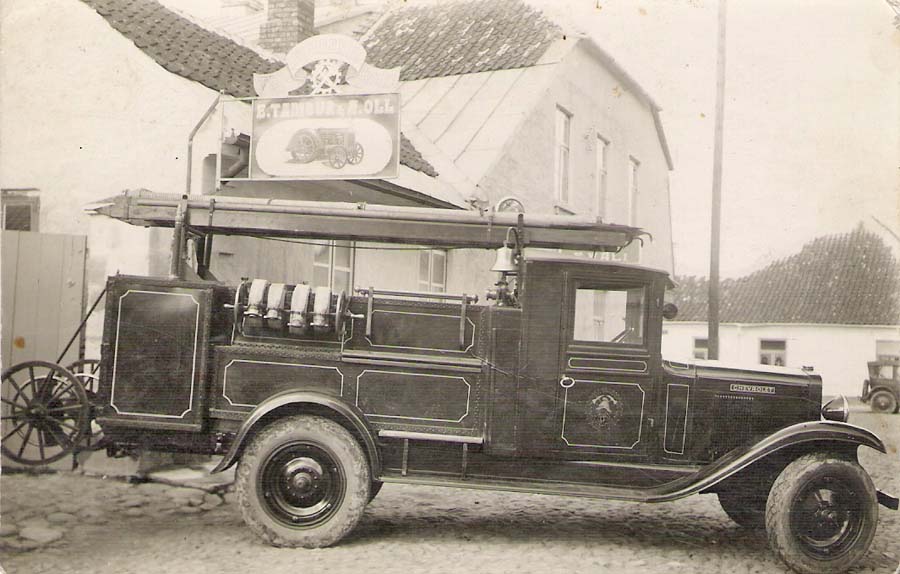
(832, 306)
(501, 109)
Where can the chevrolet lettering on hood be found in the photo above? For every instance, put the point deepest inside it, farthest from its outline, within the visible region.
(738, 388)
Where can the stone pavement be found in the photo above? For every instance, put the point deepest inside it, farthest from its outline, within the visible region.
(175, 490)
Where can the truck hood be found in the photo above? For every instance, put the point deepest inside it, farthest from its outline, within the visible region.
(736, 371)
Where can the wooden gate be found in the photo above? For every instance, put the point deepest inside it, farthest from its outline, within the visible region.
(43, 295)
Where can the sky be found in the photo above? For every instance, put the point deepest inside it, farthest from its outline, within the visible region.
(812, 115)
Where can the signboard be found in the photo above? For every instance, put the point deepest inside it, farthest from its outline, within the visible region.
(334, 136)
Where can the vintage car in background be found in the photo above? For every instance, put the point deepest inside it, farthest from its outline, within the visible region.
(554, 385)
(882, 389)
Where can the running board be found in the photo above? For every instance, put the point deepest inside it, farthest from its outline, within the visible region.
(539, 487)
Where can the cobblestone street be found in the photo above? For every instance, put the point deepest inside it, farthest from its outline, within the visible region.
(71, 523)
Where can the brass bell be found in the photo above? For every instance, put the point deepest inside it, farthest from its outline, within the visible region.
(505, 262)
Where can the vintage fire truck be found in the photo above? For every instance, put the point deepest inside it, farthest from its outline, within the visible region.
(553, 383)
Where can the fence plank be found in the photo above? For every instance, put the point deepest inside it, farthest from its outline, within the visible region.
(9, 258)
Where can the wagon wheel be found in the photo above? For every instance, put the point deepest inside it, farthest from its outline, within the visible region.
(337, 157)
(87, 371)
(45, 413)
(303, 146)
(356, 154)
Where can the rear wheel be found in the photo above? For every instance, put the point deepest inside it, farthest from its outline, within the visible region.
(303, 481)
(883, 402)
(821, 514)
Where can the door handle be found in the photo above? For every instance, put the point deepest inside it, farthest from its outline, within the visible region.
(567, 382)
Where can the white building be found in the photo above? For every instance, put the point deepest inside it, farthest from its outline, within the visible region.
(500, 109)
(832, 306)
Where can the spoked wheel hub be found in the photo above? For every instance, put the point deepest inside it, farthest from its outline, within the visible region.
(827, 518)
(301, 485)
(45, 413)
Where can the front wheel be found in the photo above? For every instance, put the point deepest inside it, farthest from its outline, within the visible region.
(883, 402)
(821, 514)
(304, 482)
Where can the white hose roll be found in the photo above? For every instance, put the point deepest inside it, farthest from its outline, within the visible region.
(299, 303)
(275, 301)
(321, 306)
(255, 298)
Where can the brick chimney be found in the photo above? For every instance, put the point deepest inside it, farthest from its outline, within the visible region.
(288, 22)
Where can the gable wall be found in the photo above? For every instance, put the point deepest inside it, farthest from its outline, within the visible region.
(599, 104)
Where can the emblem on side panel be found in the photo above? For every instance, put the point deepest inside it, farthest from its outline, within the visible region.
(604, 411)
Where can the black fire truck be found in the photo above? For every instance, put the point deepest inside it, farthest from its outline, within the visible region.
(553, 384)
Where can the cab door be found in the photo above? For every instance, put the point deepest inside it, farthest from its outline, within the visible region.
(605, 398)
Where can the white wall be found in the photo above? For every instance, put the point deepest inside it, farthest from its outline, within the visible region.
(87, 115)
(599, 104)
(838, 353)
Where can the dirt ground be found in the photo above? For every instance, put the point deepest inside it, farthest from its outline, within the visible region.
(118, 528)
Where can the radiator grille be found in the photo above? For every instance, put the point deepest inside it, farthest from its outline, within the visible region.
(733, 422)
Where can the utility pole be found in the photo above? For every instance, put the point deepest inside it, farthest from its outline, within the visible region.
(713, 314)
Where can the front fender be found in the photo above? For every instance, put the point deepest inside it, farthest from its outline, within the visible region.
(347, 412)
(740, 458)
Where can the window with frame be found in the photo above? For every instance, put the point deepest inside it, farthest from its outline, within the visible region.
(609, 315)
(20, 210)
(633, 168)
(773, 352)
(333, 265)
(601, 148)
(563, 134)
(433, 270)
(701, 348)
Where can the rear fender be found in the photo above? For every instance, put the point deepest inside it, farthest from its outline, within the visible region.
(297, 402)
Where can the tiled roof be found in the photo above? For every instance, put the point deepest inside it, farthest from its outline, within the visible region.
(183, 47)
(193, 52)
(411, 158)
(459, 37)
(850, 279)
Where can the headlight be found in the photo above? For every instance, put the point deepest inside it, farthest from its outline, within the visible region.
(836, 409)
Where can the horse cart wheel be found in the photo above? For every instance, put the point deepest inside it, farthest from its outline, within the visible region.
(45, 413)
(87, 371)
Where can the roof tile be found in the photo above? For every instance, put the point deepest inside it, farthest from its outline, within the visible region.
(191, 51)
(460, 37)
(849, 279)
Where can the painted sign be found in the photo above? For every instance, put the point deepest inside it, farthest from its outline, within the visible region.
(326, 137)
(346, 126)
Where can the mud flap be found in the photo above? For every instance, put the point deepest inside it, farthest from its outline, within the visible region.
(887, 500)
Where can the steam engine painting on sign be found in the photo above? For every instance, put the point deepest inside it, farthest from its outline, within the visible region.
(327, 136)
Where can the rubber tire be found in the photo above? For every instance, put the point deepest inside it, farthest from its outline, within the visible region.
(745, 508)
(892, 403)
(778, 511)
(327, 435)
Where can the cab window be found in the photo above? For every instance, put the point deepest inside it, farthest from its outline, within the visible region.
(609, 315)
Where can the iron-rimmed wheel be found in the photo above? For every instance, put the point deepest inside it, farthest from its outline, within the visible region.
(883, 401)
(337, 157)
(45, 413)
(303, 481)
(87, 371)
(821, 514)
(748, 509)
(356, 154)
(304, 146)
